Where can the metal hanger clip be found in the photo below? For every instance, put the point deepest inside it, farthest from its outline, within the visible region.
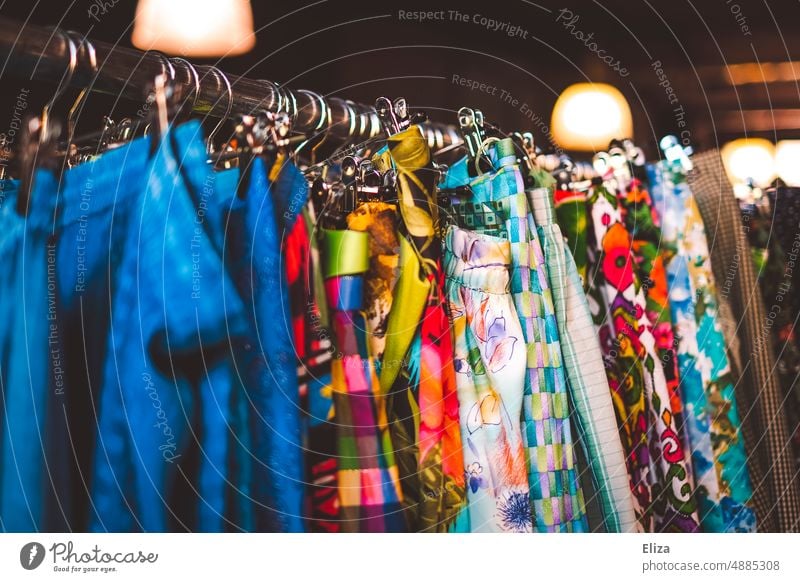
(471, 124)
(395, 116)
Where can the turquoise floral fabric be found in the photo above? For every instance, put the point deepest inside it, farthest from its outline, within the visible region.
(719, 457)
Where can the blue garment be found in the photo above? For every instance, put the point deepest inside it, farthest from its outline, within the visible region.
(141, 334)
(27, 298)
(85, 223)
(266, 361)
(96, 209)
(164, 438)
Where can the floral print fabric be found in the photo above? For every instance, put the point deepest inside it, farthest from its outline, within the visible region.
(570, 208)
(556, 496)
(489, 356)
(718, 453)
(660, 480)
(648, 250)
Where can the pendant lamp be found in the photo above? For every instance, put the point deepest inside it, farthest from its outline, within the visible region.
(198, 28)
(587, 116)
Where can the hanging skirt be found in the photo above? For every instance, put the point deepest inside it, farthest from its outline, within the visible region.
(490, 363)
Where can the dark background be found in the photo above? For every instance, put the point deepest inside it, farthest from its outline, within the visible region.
(361, 50)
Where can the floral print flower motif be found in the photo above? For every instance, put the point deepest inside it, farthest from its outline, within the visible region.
(474, 477)
(487, 411)
(671, 446)
(664, 336)
(462, 366)
(617, 266)
(491, 407)
(514, 510)
(625, 346)
(499, 345)
(481, 315)
(492, 331)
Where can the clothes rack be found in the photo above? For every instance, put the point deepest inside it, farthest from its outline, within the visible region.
(45, 54)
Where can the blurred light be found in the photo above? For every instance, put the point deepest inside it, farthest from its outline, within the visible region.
(587, 116)
(752, 120)
(200, 28)
(750, 159)
(760, 73)
(787, 161)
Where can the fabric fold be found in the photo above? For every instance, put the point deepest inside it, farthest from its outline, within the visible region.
(583, 364)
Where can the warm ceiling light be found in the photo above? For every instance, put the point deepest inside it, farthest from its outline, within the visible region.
(760, 73)
(750, 159)
(199, 28)
(587, 116)
(787, 161)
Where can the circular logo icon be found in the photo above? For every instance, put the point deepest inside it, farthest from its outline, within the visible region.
(31, 555)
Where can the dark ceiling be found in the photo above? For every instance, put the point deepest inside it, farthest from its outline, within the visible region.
(361, 50)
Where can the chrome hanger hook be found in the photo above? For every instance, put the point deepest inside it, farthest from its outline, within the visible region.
(210, 139)
(92, 53)
(44, 135)
(84, 43)
(354, 118)
(167, 67)
(319, 106)
(275, 105)
(195, 77)
(70, 72)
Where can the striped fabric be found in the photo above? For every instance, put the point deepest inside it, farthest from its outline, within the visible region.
(586, 379)
(776, 495)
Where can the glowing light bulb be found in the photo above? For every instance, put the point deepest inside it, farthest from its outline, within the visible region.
(749, 159)
(200, 28)
(587, 116)
(787, 161)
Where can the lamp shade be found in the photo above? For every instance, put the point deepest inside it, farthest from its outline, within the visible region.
(748, 159)
(787, 161)
(587, 116)
(200, 28)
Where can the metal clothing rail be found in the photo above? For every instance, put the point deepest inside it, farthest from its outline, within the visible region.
(45, 54)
